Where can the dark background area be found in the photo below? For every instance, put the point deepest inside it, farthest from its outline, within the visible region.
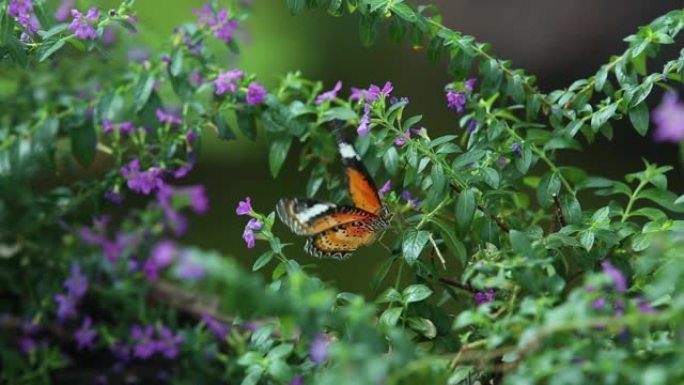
(556, 41)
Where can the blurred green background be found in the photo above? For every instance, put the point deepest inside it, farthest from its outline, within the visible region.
(557, 41)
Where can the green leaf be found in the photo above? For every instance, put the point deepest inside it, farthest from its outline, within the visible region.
(403, 11)
(263, 260)
(600, 78)
(338, 113)
(83, 143)
(572, 211)
(413, 243)
(142, 90)
(524, 161)
(224, 131)
(50, 48)
(465, 209)
(491, 177)
(664, 198)
(278, 153)
(391, 161)
(639, 117)
(601, 117)
(467, 158)
(549, 185)
(280, 351)
(587, 239)
(246, 122)
(454, 245)
(369, 29)
(441, 140)
(391, 316)
(176, 62)
(423, 326)
(416, 293)
(520, 243)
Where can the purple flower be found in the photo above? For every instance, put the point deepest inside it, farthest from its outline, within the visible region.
(486, 296)
(205, 14)
(363, 128)
(244, 207)
(599, 303)
(183, 170)
(358, 94)
(26, 345)
(66, 306)
(318, 352)
(643, 306)
(406, 195)
(668, 118)
(22, 11)
(471, 126)
(329, 95)
(223, 27)
(83, 25)
(227, 81)
(167, 117)
(169, 344)
(515, 147)
(77, 283)
(121, 350)
(374, 92)
(196, 78)
(385, 188)
(198, 198)
(248, 235)
(62, 12)
(298, 380)
(138, 54)
(123, 127)
(145, 345)
(216, 327)
(141, 182)
(469, 84)
(456, 100)
(401, 139)
(255, 93)
(85, 335)
(188, 269)
(616, 275)
(164, 253)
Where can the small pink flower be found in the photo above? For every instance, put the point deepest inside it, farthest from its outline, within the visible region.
(244, 207)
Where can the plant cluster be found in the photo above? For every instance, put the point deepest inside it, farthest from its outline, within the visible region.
(496, 268)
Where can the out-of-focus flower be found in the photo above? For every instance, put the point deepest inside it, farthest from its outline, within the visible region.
(456, 100)
(643, 306)
(298, 380)
(141, 182)
(375, 92)
(66, 306)
(515, 147)
(219, 329)
(22, 11)
(471, 127)
(668, 118)
(385, 188)
(358, 94)
(62, 12)
(401, 139)
(486, 296)
(329, 95)
(167, 117)
(363, 128)
(248, 235)
(256, 93)
(615, 275)
(168, 344)
(124, 128)
(318, 352)
(469, 84)
(82, 25)
(145, 345)
(183, 170)
(77, 282)
(227, 81)
(188, 269)
(599, 303)
(223, 26)
(244, 207)
(406, 195)
(26, 345)
(85, 335)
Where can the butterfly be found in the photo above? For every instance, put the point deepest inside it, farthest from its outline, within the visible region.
(337, 231)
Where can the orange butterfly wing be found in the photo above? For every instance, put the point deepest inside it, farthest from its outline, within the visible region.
(362, 189)
(308, 217)
(341, 241)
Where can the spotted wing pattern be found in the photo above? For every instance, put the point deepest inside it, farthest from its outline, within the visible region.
(341, 241)
(308, 217)
(362, 189)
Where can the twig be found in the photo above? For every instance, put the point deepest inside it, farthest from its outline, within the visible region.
(439, 253)
(458, 285)
(558, 211)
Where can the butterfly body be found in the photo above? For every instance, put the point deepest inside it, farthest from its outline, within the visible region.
(337, 231)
